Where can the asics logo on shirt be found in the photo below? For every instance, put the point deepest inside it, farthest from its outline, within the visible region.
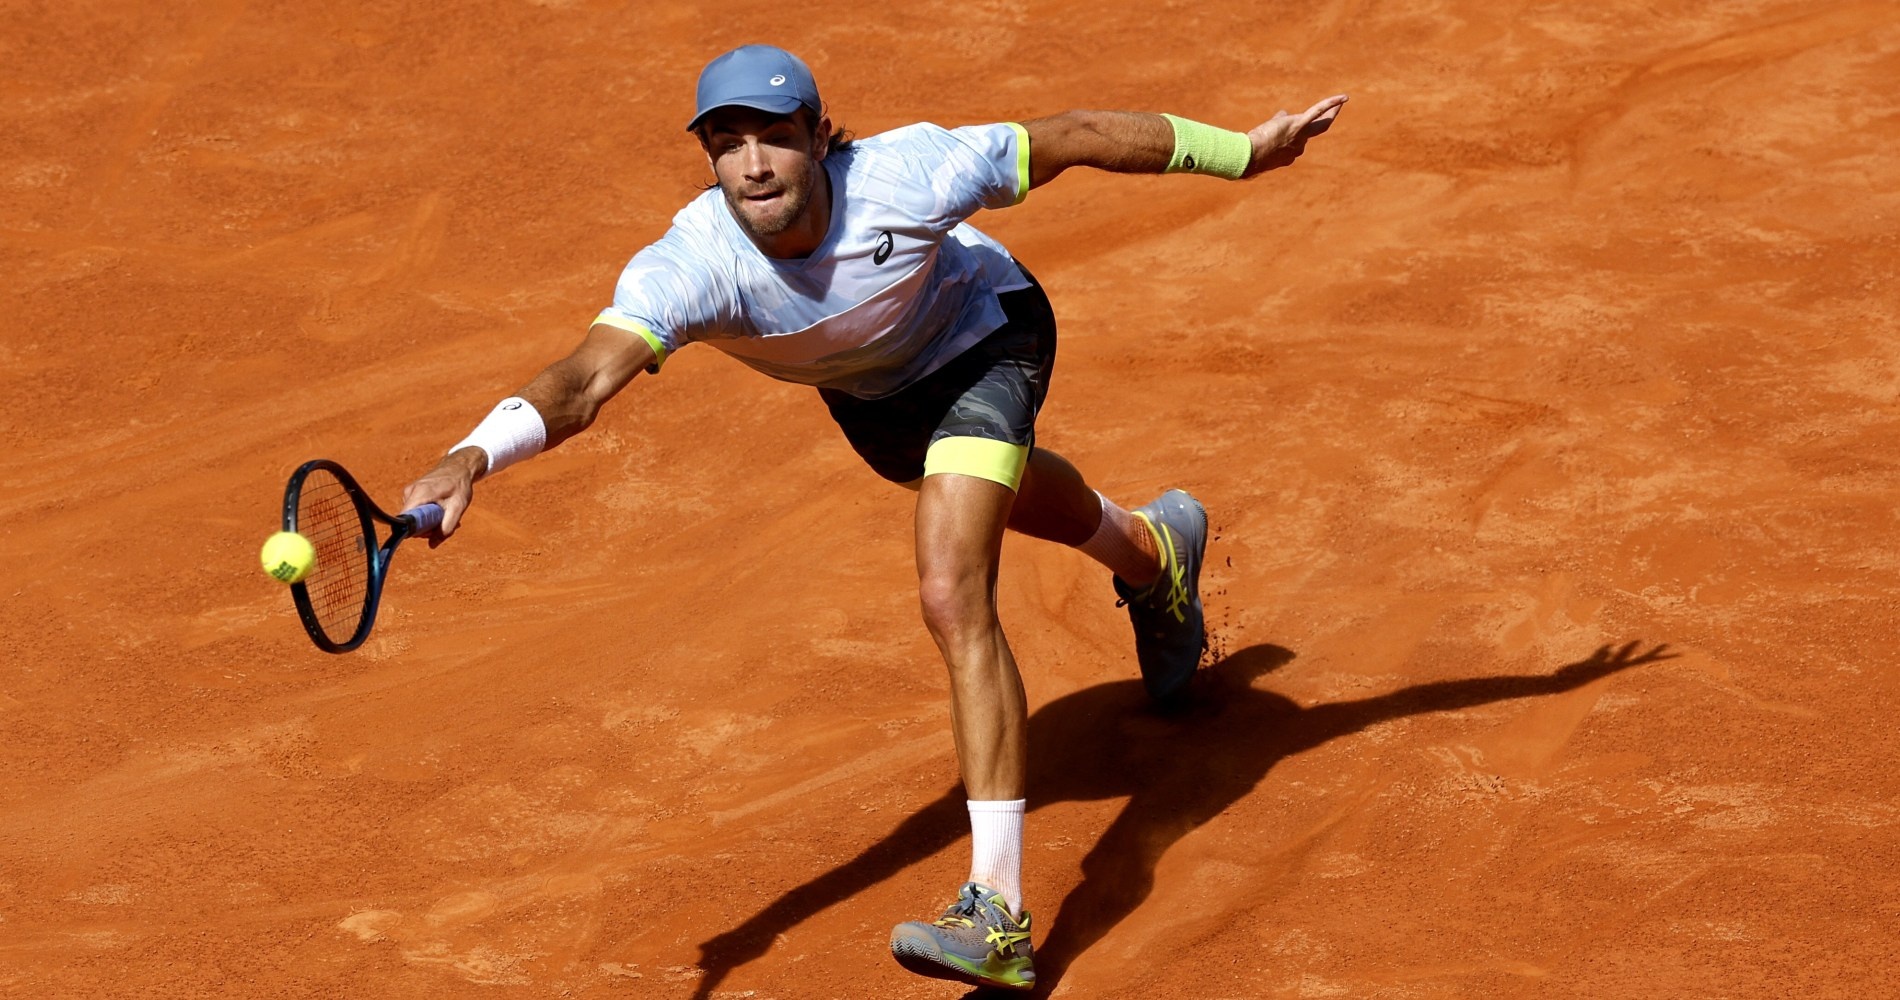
(883, 251)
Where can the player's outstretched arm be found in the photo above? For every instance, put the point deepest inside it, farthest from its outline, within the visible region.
(558, 404)
(1133, 142)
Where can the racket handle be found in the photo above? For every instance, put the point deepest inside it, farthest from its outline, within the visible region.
(424, 519)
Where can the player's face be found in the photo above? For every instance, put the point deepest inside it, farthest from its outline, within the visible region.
(767, 165)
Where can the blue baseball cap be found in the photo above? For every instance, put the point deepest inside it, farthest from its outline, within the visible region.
(756, 76)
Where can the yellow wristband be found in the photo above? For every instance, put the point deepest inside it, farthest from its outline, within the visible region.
(1204, 149)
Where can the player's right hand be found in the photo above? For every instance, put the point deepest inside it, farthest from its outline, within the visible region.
(452, 484)
(1280, 140)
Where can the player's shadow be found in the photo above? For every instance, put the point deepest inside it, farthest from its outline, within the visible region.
(1177, 771)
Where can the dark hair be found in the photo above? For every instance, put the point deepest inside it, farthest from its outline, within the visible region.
(841, 138)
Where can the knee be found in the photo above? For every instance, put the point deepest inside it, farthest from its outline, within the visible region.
(957, 605)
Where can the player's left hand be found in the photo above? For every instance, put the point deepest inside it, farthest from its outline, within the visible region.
(1280, 140)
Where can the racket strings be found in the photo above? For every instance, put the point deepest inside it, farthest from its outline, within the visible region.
(339, 585)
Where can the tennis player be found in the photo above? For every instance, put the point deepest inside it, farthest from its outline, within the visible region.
(849, 266)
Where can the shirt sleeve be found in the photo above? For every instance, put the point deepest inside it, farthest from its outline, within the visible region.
(667, 299)
(973, 167)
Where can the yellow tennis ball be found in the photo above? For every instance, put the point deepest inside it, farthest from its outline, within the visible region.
(288, 556)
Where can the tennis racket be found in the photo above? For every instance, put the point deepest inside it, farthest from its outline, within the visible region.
(337, 601)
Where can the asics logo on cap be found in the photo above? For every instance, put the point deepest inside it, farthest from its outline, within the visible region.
(763, 77)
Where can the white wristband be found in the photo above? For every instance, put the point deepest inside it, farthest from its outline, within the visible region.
(512, 431)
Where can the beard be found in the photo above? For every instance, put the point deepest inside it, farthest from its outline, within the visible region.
(766, 221)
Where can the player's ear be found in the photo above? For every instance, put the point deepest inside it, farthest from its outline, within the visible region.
(821, 138)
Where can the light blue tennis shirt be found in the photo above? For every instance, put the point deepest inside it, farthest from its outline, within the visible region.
(899, 286)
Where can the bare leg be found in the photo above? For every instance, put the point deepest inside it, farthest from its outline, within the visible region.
(1056, 504)
(960, 521)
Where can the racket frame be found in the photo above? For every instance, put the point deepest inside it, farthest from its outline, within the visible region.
(376, 556)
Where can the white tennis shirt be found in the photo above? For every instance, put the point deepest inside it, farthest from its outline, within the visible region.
(900, 284)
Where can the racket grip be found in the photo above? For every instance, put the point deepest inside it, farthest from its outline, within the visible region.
(425, 518)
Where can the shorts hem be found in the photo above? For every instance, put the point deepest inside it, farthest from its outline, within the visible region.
(996, 461)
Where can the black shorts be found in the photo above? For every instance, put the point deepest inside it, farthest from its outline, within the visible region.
(975, 416)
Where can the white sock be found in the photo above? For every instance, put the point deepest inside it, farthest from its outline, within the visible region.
(996, 848)
(1117, 545)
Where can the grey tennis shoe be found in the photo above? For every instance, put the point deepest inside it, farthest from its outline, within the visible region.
(976, 941)
(1170, 631)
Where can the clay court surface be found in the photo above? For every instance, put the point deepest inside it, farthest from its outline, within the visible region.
(1545, 412)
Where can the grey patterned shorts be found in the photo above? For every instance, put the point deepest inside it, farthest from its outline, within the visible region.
(992, 392)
